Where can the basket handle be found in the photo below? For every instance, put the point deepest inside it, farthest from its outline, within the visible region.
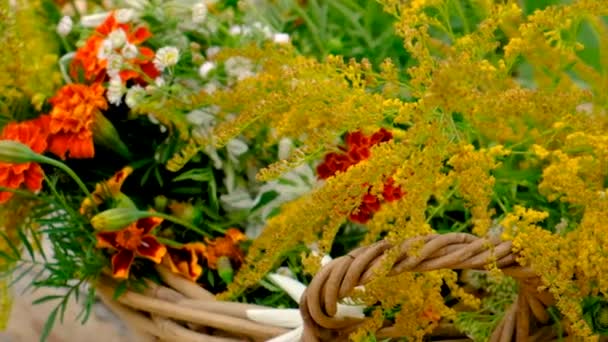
(444, 251)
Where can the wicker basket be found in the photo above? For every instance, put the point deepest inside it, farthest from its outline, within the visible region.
(183, 311)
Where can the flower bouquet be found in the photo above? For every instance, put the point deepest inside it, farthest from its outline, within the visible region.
(284, 170)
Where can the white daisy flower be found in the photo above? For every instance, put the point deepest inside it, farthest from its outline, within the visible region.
(212, 51)
(65, 26)
(105, 50)
(134, 96)
(235, 30)
(125, 15)
(114, 65)
(211, 87)
(93, 20)
(199, 12)
(205, 68)
(159, 81)
(280, 38)
(115, 91)
(239, 67)
(118, 38)
(129, 51)
(165, 57)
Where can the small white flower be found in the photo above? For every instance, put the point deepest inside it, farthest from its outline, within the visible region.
(166, 57)
(212, 51)
(159, 81)
(114, 66)
(236, 148)
(124, 15)
(115, 91)
(237, 200)
(118, 38)
(205, 68)
(285, 147)
(134, 96)
(280, 38)
(239, 67)
(65, 26)
(199, 12)
(129, 51)
(203, 117)
(211, 87)
(105, 50)
(137, 4)
(93, 20)
(264, 29)
(235, 30)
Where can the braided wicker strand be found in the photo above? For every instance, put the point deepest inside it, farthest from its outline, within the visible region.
(448, 251)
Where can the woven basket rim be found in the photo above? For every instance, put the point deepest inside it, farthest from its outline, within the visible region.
(182, 310)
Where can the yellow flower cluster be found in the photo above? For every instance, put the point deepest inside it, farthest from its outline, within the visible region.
(13, 218)
(28, 63)
(461, 114)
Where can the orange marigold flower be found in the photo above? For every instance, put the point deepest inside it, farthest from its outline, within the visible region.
(186, 260)
(225, 246)
(134, 240)
(87, 60)
(32, 133)
(358, 148)
(74, 107)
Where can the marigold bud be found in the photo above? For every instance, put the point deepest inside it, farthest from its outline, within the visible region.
(106, 135)
(116, 219)
(17, 153)
(224, 269)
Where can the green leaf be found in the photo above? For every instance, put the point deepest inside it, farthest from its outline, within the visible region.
(266, 198)
(25, 241)
(120, 290)
(197, 175)
(11, 245)
(48, 326)
(46, 299)
(88, 305)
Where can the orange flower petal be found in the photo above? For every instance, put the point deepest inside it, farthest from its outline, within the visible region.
(32, 133)
(34, 177)
(121, 263)
(150, 248)
(148, 223)
(140, 35)
(235, 235)
(185, 260)
(107, 240)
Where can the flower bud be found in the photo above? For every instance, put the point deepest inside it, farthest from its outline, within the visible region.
(116, 219)
(106, 135)
(186, 212)
(17, 153)
(224, 269)
(121, 200)
(160, 203)
(595, 313)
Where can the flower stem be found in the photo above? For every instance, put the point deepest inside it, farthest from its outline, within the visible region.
(178, 221)
(70, 173)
